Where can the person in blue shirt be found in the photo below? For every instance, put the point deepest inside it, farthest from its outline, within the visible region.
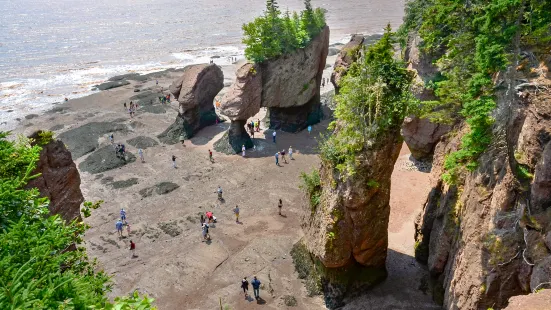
(123, 215)
(119, 225)
(256, 287)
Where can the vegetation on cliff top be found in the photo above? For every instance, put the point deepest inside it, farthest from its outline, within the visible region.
(472, 40)
(275, 34)
(39, 269)
(374, 99)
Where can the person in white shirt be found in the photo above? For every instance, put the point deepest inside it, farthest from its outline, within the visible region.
(243, 150)
(274, 136)
(291, 152)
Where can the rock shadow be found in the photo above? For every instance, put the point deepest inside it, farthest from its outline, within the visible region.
(206, 134)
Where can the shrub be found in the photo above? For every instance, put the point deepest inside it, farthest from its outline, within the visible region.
(311, 183)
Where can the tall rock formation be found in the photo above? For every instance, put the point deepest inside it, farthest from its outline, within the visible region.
(347, 233)
(289, 86)
(489, 238)
(59, 179)
(195, 91)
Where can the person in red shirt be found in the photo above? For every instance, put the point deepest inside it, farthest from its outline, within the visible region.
(133, 248)
(210, 156)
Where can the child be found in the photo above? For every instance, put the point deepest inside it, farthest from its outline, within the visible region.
(133, 248)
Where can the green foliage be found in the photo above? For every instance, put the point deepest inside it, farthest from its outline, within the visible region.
(274, 34)
(45, 137)
(478, 37)
(311, 183)
(524, 172)
(41, 263)
(374, 99)
(87, 206)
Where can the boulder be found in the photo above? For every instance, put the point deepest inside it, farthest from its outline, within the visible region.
(421, 135)
(195, 91)
(84, 139)
(348, 55)
(105, 159)
(535, 301)
(59, 180)
(142, 142)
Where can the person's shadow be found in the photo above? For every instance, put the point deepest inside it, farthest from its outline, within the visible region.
(283, 215)
(260, 301)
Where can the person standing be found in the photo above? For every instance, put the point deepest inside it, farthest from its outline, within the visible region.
(205, 231)
(128, 229)
(291, 153)
(118, 226)
(123, 215)
(280, 205)
(210, 156)
(274, 136)
(309, 129)
(202, 218)
(140, 152)
(124, 104)
(111, 138)
(243, 150)
(277, 158)
(236, 212)
(283, 156)
(245, 286)
(133, 248)
(256, 287)
(174, 161)
(157, 82)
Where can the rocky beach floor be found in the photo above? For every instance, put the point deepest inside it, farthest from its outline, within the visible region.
(163, 204)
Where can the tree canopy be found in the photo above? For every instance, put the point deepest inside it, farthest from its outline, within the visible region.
(275, 33)
(40, 267)
(374, 99)
(471, 41)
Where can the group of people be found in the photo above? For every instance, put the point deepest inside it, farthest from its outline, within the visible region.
(324, 81)
(256, 287)
(132, 107)
(253, 127)
(119, 225)
(282, 154)
(164, 99)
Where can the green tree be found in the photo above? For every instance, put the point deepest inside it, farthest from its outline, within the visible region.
(374, 98)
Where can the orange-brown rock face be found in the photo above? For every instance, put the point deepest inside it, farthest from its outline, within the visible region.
(59, 180)
(348, 230)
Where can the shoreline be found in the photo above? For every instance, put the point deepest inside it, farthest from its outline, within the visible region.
(36, 102)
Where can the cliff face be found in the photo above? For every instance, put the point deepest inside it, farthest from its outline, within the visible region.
(288, 86)
(59, 180)
(489, 238)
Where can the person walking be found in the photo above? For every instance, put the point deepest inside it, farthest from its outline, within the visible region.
(277, 158)
(245, 286)
(174, 161)
(210, 156)
(309, 129)
(128, 229)
(274, 136)
(280, 205)
(111, 138)
(257, 125)
(236, 212)
(123, 215)
(283, 156)
(291, 153)
(140, 152)
(118, 226)
(256, 287)
(133, 248)
(243, 150)
(124, 104)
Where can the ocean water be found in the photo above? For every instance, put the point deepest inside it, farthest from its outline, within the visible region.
(52, 49)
